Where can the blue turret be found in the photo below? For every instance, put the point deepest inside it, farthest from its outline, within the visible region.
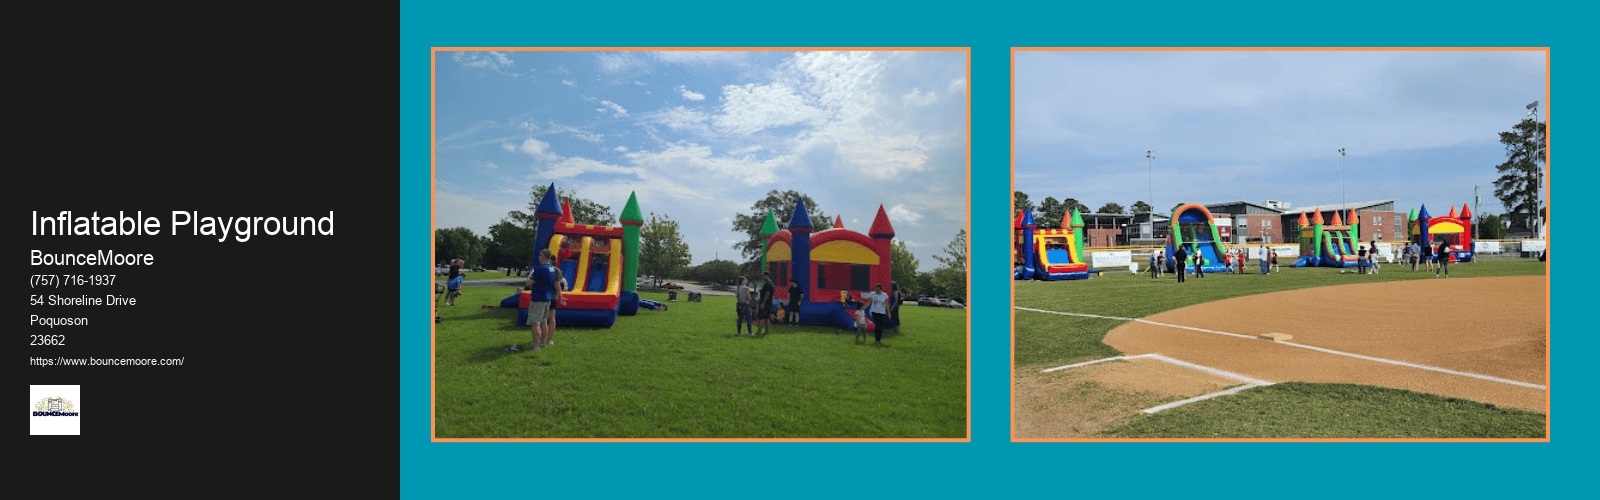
(549, 210)
(800, 247)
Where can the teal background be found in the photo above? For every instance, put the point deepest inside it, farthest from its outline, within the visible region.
(990, 463)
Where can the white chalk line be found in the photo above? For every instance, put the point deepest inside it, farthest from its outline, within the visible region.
(1250, 383)
(1517, 383)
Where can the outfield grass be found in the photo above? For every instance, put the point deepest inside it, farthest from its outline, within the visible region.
(1283, 410)
(683, 374)
(1305, 410)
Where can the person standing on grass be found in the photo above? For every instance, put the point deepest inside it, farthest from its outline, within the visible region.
(796, 295)
(541, 290)
(764, 305)
(1443, 254)
(1199, 260)
(550, 321)
(1361, 260)
(1182, 259)
(742, 295)
(1374, 254)
(880, 304)
(898, 296)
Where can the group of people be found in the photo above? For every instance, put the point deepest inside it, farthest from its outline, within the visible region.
(1428, 256)
(544, 284)
(1183, 256)
(756, 312)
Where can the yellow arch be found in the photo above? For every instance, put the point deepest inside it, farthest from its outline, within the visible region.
(779, 251)
(1445, 227)
(847, 252)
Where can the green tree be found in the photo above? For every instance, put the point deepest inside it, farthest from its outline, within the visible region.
(458, 242)
(1050, 213)
(1140, 207)
(513, 242)
(662, 251)
(1109, 208)
(1491, 227)
(1019, 202)
(951, 277)
(716, 271)
(902, 264)
(1521, 173)
(781, 204)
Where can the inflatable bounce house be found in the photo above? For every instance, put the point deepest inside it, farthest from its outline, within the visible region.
(1452, 229)
(1329, 245)
(829, 265)
(1194, 229)
(600, 263)
(1048, 254)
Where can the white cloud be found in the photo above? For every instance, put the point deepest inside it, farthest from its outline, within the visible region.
(639, 83)
(497, 62)
(620, 149)
(461, 210)
(745, 150)
(899, 213)
(577, 132)
(698, 161)
(616, 110)
(681, 118)
(699, 57)
(613, 62)
(919, 98)
(532, 147)
(752, 108)
(690, 94)
(569, 83)
(958, 85)
(488, 164)
(575, 166)
(528, 126)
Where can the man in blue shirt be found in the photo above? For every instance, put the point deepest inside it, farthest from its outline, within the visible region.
(542, 290)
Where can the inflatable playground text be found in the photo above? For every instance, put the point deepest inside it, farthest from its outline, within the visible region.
(240, 228)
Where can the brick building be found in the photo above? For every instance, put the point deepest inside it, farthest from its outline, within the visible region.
(1242, 222)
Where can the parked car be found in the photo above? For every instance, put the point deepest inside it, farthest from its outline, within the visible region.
(478, 268)
(956, 304)
(671, 286)
(931, 302)
(441, 271)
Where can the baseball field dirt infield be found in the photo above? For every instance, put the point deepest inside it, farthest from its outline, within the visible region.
(1482, 339)
(1103, 395)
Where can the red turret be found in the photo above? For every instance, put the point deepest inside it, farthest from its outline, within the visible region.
(566, 213)
(838, 222)
(1302, 219)
(880, 225)
(1336, 220)
(1318, 218)
(1453, 212)
(1466, 214)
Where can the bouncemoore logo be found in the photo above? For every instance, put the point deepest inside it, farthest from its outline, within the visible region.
(54, 407)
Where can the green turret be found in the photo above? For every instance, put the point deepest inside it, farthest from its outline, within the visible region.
(769, 227)
(631, 220)
(1077, 235)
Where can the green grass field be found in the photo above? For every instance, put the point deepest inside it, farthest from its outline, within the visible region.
(1041, 340)
(683, 374)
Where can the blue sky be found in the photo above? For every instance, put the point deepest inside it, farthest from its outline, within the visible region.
(1420, 127)
(701, 136)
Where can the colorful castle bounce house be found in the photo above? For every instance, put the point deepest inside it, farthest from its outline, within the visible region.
(1195, 230)
(1329, 245)
(1048, 254)
(829, 265)
(600, 263)
(1452, 229)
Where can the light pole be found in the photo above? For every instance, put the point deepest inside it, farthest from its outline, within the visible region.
(1536, 217)
(1150, 215)
(1341, 177)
